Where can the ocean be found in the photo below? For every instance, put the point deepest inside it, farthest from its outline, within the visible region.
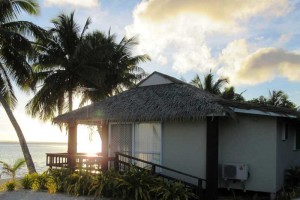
(11, 151)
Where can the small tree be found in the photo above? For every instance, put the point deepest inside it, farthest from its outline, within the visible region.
(11, 170)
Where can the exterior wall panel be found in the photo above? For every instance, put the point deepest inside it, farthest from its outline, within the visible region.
(184, 147)
(287, 156)
(250, 140)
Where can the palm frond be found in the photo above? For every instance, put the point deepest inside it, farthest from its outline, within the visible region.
(19, 163)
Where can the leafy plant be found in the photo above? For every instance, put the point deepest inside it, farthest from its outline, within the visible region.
(106, 185)
(136, 183)
(26, 182)
(79, 183)
(11, 170)
(292, 178)
(167, 190)
(39, 181)
(57, 178)
(10, 185)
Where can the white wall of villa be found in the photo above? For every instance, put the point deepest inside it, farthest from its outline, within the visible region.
(251, 140)
(255, 140)
(155, 79)
(184, 147)
(287, 154)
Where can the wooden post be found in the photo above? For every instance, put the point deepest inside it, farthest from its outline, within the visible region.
(72, 144)
(212, 162)
(104, 140)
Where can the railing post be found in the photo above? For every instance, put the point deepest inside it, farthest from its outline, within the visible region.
(200, 189)
(116, 161)
(153, 169)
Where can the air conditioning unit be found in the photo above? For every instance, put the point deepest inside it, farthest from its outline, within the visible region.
(235, 171)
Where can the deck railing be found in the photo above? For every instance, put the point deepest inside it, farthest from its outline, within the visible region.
(78, 161)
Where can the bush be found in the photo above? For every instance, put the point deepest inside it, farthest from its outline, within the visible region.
(26, 182)
(106, 185)
(10, 185)
(35, 181)
(166, 190)
(57, 180)
(39, 181)
(79, 184)
(136, 183)
(292, 178)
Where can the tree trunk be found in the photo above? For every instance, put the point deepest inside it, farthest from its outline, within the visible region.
(24, 147)
(103, 133)
(70, 96)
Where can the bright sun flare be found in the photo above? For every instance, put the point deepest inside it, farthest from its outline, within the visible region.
(88, 140)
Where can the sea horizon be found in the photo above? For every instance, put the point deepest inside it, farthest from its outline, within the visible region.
(10, 151)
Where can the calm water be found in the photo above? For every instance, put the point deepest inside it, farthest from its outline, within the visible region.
(9, 152)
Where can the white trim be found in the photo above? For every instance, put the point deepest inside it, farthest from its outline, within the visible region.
(259, 112)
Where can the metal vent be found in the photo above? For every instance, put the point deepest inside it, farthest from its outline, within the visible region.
(230, 171)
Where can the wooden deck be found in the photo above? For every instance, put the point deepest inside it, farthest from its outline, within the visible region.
(90, 163)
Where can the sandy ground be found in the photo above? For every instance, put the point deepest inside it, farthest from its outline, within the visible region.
(33, 195)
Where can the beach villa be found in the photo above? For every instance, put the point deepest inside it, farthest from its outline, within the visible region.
(173, 124)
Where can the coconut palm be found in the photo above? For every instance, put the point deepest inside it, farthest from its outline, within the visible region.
(230, 94)
(11, 170)
(276, 98)
(14, 51)
(209, 84)
(72, 62)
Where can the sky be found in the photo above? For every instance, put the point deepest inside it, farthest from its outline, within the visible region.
(256, 44)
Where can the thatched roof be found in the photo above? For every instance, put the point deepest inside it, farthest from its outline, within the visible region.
(161, 102)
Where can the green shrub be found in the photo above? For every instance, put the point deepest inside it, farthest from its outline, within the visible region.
(57, 178)
(10, 185)
(166, 190)
(26, 182)
(51, 186)
(292, 178)
(136, 183)
(39, 181)
(79, 183)
(35, 181)
(289, 195)
(106, 185)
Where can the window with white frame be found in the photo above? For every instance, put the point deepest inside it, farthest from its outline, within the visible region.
(141, 140)
(147, 141)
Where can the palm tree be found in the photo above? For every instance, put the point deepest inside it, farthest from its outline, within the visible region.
(11, 170)
(209, 84)
(230, 94)
(71, 62)
(14, 51)
(276, 98)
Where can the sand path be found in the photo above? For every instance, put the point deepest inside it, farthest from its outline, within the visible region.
(33, 195)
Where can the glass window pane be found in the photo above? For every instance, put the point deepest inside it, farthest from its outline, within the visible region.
(147, 141)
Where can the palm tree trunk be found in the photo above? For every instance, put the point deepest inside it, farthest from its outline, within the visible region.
(70, 96)
(24, 147)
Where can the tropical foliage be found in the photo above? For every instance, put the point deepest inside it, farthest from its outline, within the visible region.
(11, 170)
(216, 86)
(134, 184)
(275, 98)
(15, 49)
(72, 62)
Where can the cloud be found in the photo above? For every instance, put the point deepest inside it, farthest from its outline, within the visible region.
(77, 3)
(177, 30)
(265, 64)
(218, 10)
